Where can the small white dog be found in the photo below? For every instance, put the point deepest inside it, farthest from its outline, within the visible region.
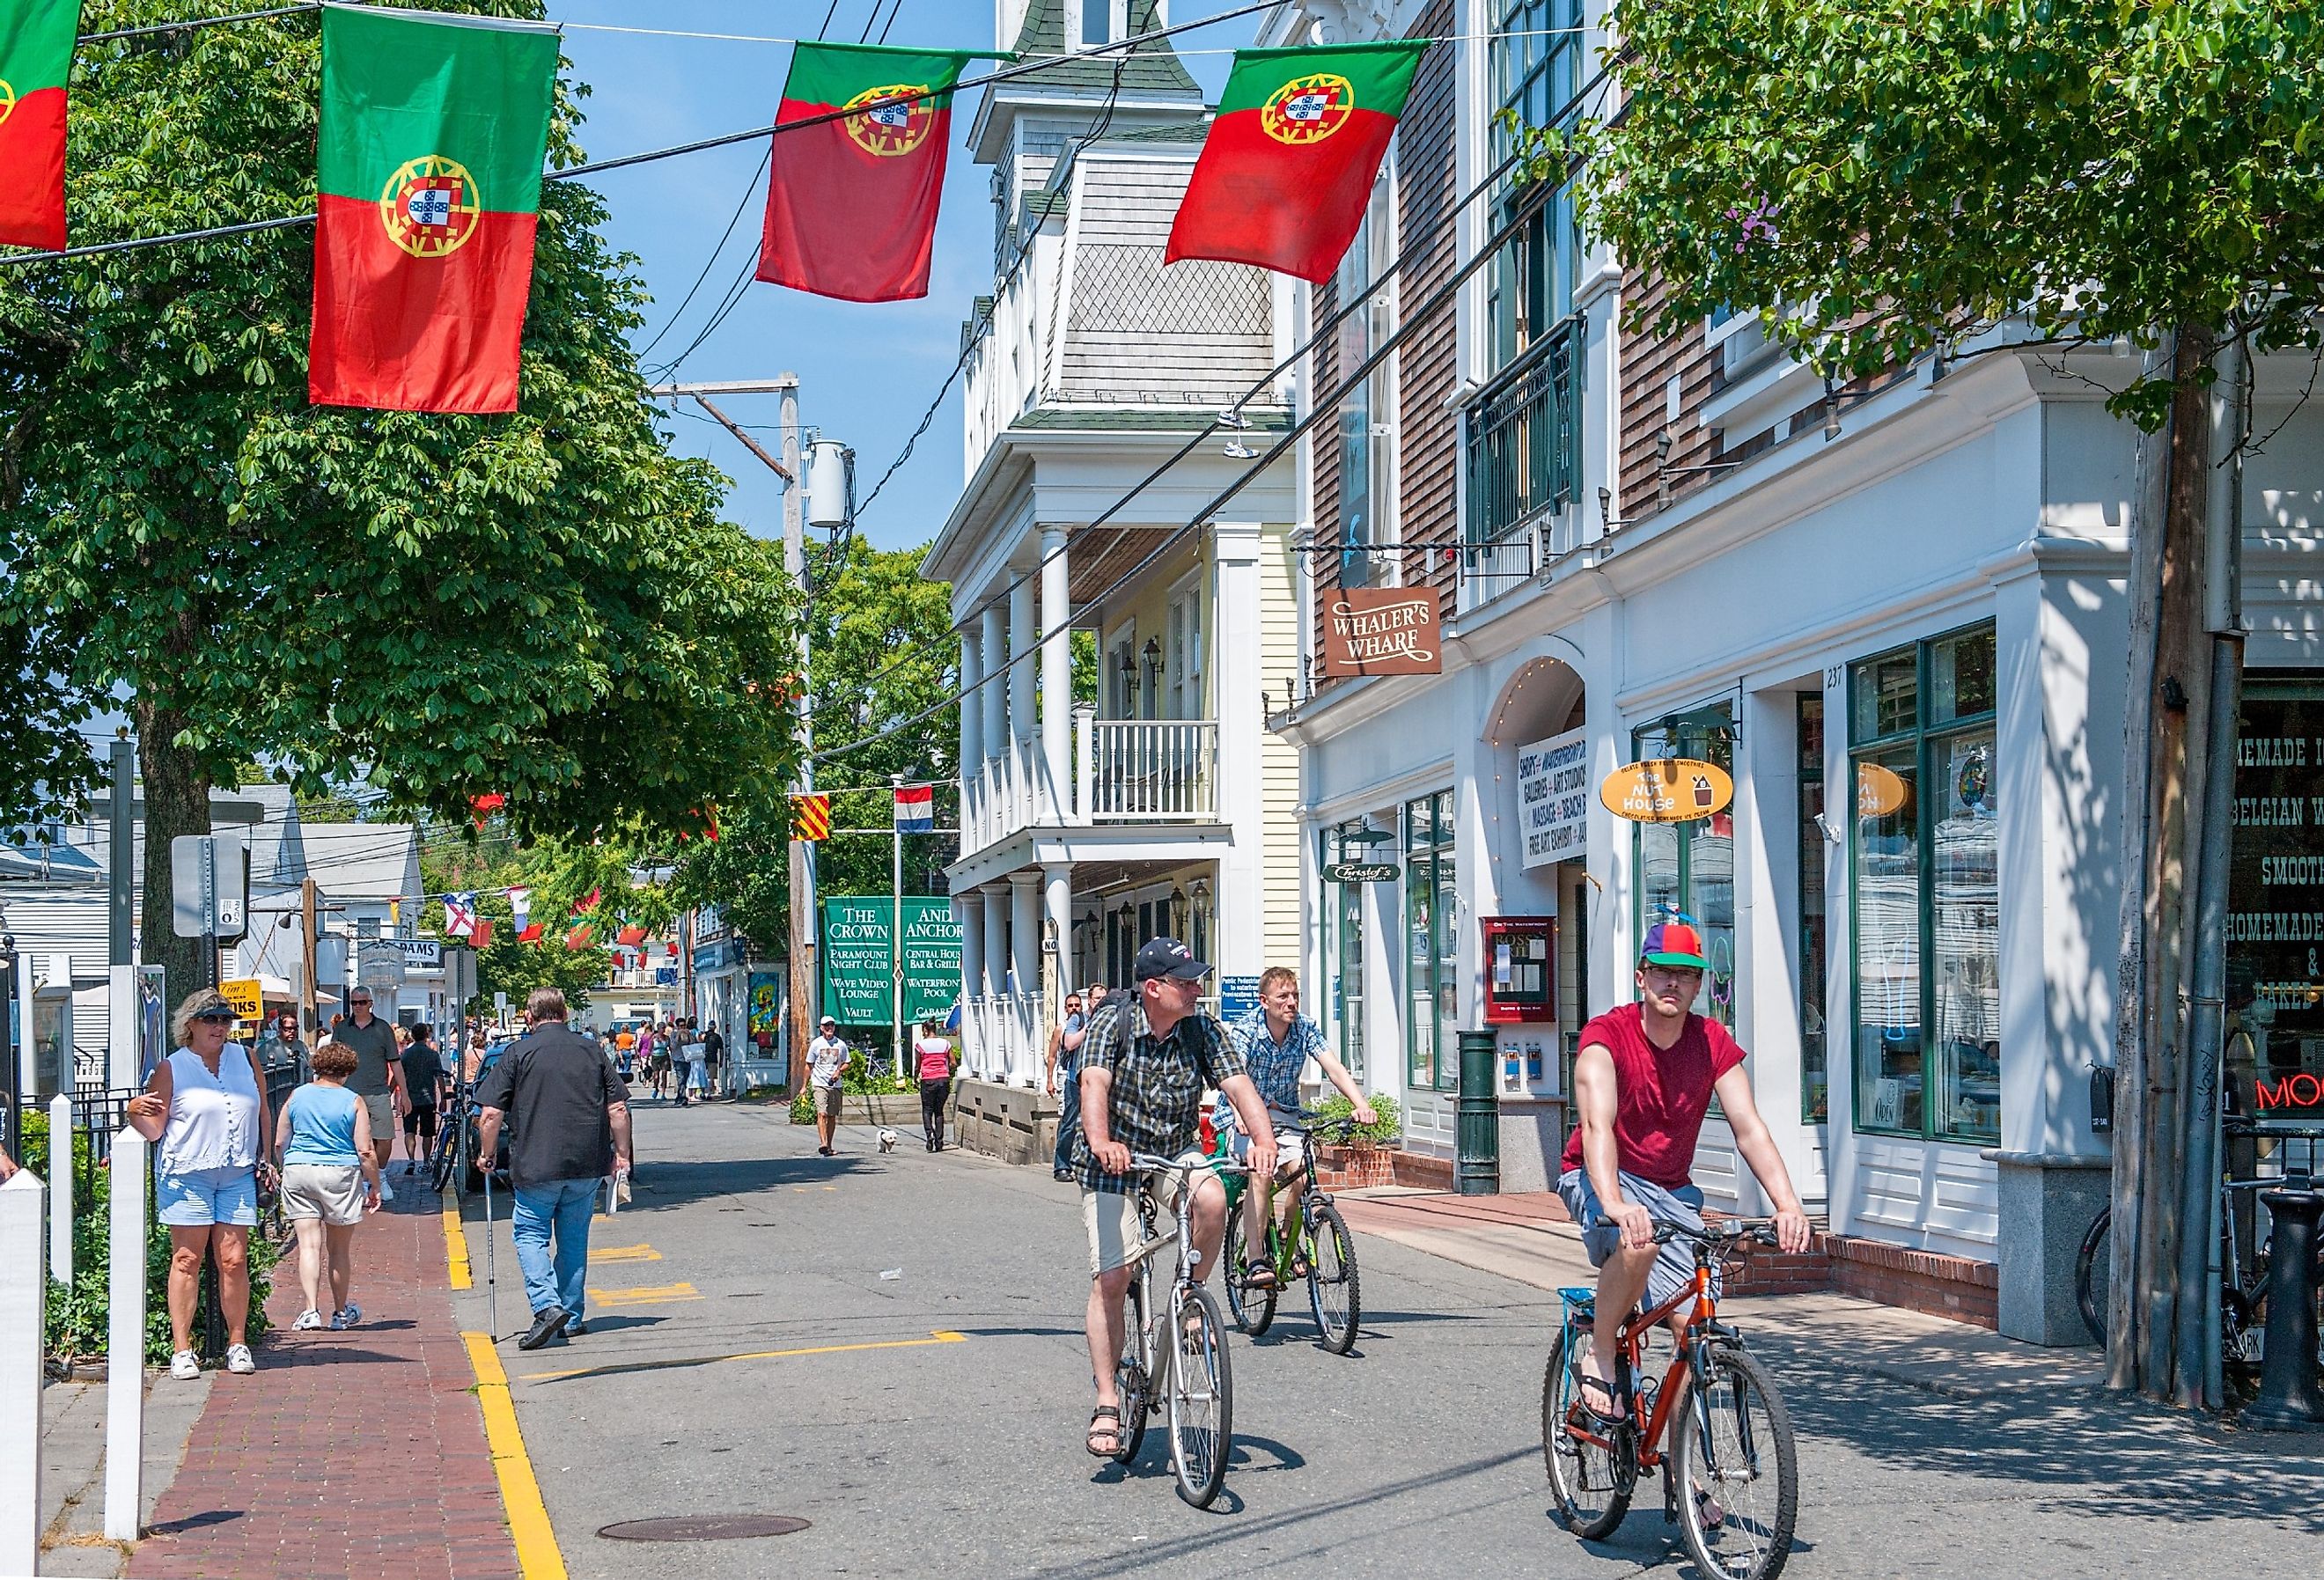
(887, 1141)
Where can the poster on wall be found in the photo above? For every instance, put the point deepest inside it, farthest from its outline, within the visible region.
(1554, 798)
(1381, 631)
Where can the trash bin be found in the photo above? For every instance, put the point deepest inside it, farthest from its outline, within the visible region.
(1478, 1170)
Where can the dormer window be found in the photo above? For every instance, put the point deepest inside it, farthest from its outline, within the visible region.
(1097, 23)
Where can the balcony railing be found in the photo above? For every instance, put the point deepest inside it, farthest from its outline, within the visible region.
(1523, 459)
(1153, 770)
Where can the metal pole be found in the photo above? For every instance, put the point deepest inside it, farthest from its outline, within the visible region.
(121, 880)
(806, 1000)
(307, 1016)
(896, 921)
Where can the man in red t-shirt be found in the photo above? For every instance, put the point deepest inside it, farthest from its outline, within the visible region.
(1642, 1082)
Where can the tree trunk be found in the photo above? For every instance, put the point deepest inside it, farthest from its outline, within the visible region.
(177, 795)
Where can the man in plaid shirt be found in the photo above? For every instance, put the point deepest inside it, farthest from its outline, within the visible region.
(1277, 1041)
(1143, 1069)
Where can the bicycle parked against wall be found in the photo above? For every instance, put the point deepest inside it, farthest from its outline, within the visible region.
(1319, 1249)
(451, 1138)
(1730, 1470)
(1173, 1348)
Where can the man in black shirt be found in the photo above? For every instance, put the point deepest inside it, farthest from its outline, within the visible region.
(572, 1119)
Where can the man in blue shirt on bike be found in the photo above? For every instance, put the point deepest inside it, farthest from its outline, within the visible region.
(1277, 1041)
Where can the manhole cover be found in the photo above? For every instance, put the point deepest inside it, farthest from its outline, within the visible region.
(704, 1527)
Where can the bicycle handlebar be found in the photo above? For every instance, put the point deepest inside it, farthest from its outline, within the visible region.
(1725, 1232)
(1147, 1163)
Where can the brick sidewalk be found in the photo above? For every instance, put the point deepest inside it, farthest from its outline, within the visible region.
(357, 1454)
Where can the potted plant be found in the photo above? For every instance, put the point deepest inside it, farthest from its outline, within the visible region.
(1365, 1158)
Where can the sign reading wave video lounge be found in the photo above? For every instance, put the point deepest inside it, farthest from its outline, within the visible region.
(1554, 798)
(1381, 631)
(859, 957)
(1667, 789)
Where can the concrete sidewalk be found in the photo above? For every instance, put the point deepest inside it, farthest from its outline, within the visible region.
(1527, 1237)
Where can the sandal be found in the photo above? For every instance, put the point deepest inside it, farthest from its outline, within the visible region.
(1258, 1275)
(1299, 1268)
(1104, 1412)
(1605, 1419)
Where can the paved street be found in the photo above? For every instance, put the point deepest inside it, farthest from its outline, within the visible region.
(747, 1356)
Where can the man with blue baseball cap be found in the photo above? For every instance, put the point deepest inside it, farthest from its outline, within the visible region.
(1642, 1082)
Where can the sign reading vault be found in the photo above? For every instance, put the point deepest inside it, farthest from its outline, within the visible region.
(1381, 631)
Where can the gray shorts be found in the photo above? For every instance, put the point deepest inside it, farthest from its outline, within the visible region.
(826, 1100)
(1674, 1268)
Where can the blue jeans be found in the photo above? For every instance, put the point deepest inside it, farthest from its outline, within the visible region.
(1069, 1113)
(564, 1205)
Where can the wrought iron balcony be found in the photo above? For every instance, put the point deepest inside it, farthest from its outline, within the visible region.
(1524, 451)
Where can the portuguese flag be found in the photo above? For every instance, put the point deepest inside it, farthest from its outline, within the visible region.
(852, 204)
(1290, 158)
(434, 128)
(36, 46)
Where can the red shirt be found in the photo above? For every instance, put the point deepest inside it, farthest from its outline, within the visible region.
(1661, 1095)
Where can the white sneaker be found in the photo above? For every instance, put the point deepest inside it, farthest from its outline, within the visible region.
(238, 1360)
(344, 1320)
(308, 1321)
(386, 1191)
(184, 1367)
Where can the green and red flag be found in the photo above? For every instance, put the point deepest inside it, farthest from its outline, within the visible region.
(434, 128)
(1289, 161)
(36, 46)
(852, 202)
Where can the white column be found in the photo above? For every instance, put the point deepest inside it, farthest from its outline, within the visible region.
(970, 914)
(1058, 918)
(971, 735)
(125, 1340)
(1023, 627)
(996, 939)
(1084, 760)
(994, 633)
(24, 1311)
(1056, 679)
(1235, 671)
(60, 1200)
(1025, 956)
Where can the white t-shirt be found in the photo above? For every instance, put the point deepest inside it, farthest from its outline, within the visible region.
(827, 1061)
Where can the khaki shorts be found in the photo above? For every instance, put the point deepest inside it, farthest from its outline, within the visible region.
(380, 1107)
(1110, 1217)
(826, 1100)
(322, 1190)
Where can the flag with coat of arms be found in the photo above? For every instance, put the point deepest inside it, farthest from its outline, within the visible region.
(916, 809)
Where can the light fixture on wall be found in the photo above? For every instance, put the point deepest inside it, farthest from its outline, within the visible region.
(1178, 912)
(1129, 683)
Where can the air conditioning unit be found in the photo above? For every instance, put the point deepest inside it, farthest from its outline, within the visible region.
(1748, 349)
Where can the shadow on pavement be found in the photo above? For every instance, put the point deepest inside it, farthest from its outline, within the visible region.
(676, 1183)
(194, 1521)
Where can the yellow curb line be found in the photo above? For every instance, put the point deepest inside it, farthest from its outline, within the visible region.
(455, 1244)
(936, 1336)
(536, 1553)
(645, 1295)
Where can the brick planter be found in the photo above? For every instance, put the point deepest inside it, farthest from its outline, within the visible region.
(1354, 1167)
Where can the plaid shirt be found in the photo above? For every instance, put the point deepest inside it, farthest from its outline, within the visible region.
(1274, 1066)
(1157, 1096)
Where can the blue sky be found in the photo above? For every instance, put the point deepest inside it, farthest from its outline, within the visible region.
(866, 372)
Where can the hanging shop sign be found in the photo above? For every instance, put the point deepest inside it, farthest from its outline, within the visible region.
(859, 957)
(1667, 789)
(1554, 798)
(1362, 872)
(1381, 631)
(1880, 790)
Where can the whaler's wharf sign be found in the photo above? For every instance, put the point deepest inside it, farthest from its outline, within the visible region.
(1381, 631)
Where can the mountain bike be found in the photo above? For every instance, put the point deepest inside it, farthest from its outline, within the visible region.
(1175, 1359)
(1320, 1243)
(1731, 1471)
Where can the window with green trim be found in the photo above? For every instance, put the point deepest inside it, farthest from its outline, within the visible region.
(1432, 1019)
(1343, 916)
(1536, 64)
(1814, 1104)
(1690, 867)
(1925, 905)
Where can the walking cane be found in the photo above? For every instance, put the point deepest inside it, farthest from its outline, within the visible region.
(492, 1285)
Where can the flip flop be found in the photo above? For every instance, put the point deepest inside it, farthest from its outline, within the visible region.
(1104, 1412)
(1607, 1420)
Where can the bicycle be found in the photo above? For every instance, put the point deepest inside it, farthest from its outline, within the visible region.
(1176, 1361)
(1322, 1244)
(1731, 1442)
(451, 1136)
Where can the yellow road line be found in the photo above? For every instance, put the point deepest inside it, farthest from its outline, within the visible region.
(644, 1294)
(938, 1336)
(455, 1245)
(626, 1254)
(536, 1553)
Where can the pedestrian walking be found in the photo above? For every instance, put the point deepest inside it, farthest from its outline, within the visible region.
(204, 1105)
(423, 1089)
(827, 1067)
(933, 1056)
(379, 1073)
(1064, 1051)
(714, 1059)
(329, 1180)
(655, 1055)
(571, 1115)
(693, 1054)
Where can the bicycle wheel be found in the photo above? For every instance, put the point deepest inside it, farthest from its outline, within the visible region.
(447, 1156)
(2092, 1270)
(1333, 1294)
(1736, 1470)
(1132, 1375)
(1201, 1397)
(1253, 1309)
(1590, 1481)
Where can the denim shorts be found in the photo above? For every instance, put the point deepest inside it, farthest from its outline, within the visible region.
(1674, 1268)
(199, 1196)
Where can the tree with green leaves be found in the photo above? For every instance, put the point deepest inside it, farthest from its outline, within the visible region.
(1885, 182)
(544, 606)
(489, 865)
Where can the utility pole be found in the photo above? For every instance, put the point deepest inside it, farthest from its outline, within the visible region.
(308, 906)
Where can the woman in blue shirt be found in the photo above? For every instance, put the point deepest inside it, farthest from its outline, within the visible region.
(330, 1179)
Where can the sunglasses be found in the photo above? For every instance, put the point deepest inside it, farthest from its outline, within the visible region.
(225, 1016)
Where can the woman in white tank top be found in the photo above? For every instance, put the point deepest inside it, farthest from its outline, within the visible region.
(206, 1107)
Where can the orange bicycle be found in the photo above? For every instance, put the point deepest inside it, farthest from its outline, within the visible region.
(1730, 1447)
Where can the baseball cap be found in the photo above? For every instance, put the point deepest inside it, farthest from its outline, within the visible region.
(209, 1004)
(1673, 943)
(1167, 957)
(829, 1021)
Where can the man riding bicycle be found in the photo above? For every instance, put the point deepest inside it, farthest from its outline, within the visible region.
(1642, 1082)
(1277, 1041)
(1143, 1068)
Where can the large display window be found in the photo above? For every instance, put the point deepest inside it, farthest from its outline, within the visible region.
(2275, 901)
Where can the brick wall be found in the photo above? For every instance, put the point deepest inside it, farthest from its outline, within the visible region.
(1959, 1287)
(1651, 359)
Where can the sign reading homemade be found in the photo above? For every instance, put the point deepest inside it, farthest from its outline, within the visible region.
(1381, 631)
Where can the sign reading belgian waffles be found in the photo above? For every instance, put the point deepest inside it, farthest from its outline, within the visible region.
(429, 161)
(1667, 789)
(36, 47)
(1288, 163)
(1381, 631)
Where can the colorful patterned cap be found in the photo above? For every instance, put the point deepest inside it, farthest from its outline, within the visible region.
(1673, 943)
